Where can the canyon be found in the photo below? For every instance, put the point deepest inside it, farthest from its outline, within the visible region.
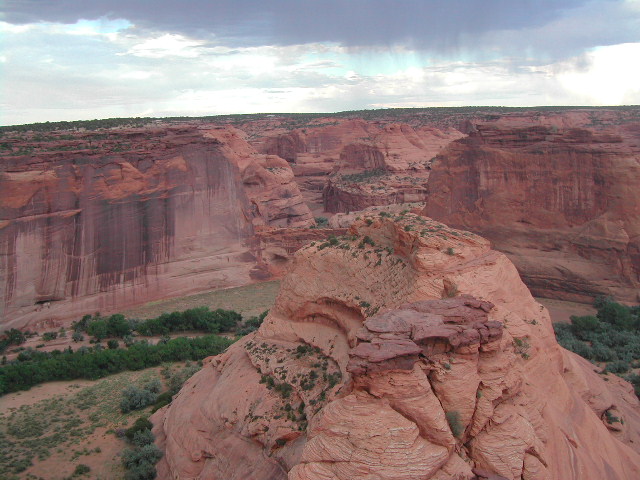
(101, 220)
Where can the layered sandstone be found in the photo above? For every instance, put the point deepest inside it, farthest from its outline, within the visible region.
(559, 200)
(325, 157)
(403, 350)
(101, 221)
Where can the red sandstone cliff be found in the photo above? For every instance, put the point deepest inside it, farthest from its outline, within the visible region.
(99, 222)
(406, 350)
(399, 152)
(560, 201)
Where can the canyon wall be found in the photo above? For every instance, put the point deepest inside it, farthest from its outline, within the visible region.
(402, 350)
(349, 165)
(561, 201)
(101, 222)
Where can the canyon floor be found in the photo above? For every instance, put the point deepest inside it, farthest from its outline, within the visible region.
(60, 425)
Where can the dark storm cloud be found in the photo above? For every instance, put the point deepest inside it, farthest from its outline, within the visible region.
(437, 25)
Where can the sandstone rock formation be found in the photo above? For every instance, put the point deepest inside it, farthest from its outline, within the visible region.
(404, 350)
(397, 152)
(559, 200)
(101, 221)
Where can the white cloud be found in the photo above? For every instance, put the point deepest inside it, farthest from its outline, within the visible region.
(94, 69)
(611, 76)
(167, 45)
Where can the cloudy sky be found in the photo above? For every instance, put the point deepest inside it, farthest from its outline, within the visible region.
(86, 59)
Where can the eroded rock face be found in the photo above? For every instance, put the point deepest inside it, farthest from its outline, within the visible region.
(560, 200)
(399, 152)
(158, 212)
(403, 350)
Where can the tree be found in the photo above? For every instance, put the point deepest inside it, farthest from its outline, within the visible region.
(117, 326)
(98, 329)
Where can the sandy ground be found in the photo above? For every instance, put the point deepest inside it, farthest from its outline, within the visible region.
(100, 448)
(562, 311)
(249, 300)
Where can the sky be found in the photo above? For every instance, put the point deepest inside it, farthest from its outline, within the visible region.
(88, 59)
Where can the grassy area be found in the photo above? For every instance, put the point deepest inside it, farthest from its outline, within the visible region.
(249, 300)
(72, 423)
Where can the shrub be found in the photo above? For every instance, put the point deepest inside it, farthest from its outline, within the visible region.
(140, 424)
(117, 326)
(113, 344)
(11, 337)
(153, 386)
(616, 314)
(252, 324)
(588, 322)
(322, 222)
(453, 418)
(602, 353)
(81, 469)
(619, 366)
(140, 463)
(97, 329)
(47, 336)
(142, 438)
(176, 380)
(162, 400)
(77, 336)
(135, 398)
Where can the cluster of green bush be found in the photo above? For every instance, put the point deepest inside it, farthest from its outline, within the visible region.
(612, 336)
(195, 319)
(33, 367)
(364, 176)
(252, 324)
(135, 398)
(12, 337)
(140, 460)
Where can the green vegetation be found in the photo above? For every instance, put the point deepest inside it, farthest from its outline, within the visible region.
(135, 398)
(321, 222)
(252, 324)
(611, 337)
(33, 367)
(12, 337)
(81, 469)
(63, 425)
(453, 418)
(140, 462)
(367, 175)
(194, 319)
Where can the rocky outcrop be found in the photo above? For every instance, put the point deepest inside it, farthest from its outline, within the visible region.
(403, 350)
(558, 200)
(102, 221)
(274, 247)
(399, 153)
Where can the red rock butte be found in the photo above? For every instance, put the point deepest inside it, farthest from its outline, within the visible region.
(402, 350)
